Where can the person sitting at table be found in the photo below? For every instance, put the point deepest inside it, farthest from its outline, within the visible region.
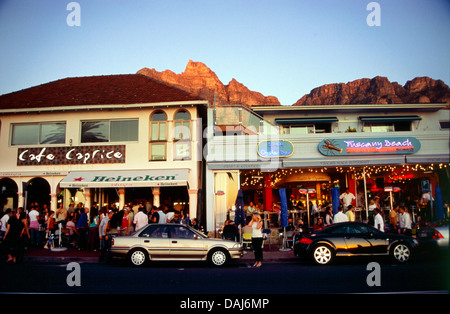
(319, 224)
(251, 209)
(230, 230)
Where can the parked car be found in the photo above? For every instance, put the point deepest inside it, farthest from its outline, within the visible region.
(170, 242)
(353, 239)
(435, 236)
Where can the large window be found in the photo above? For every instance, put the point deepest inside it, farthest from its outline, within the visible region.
(306, 128)
(109, 131)
(38, 133)
(158, 136)
(182, 136)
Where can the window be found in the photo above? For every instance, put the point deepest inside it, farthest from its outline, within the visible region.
(109, 131)
(182, 130)
(181, 232)
(387, 126)
(445, 125)
(158, 136)
(38, 133)
(182, 136)
(155, 231)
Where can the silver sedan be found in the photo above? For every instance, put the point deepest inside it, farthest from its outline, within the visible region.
(435, 235)
(169, 242)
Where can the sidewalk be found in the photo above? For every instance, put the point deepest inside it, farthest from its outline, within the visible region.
(273, 255)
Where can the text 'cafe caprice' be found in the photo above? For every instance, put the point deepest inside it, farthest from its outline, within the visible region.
(386, 154)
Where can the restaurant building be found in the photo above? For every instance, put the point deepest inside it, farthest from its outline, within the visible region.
(101, 139)
(390, 151)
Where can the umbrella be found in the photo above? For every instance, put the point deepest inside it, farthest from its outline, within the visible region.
(284, 208)
(438, 203)
(283, 216)
(239, 215)
(335, 199)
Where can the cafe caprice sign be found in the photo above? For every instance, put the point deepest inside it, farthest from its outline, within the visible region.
(71, 155)
(369, 146)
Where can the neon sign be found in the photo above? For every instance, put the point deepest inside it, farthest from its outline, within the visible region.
(369, 146)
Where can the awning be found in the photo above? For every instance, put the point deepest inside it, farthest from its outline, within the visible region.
(427, 159)
(389, 118)
(310, 120)
(125, 178)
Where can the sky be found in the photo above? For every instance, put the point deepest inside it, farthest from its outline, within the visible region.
(281, 48)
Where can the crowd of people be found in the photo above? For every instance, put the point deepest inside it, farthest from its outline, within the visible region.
(78, 226)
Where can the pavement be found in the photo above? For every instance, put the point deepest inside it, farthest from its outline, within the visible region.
(270, 255)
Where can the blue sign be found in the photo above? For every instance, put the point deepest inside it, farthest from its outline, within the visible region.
(275, 149)
(369, 146)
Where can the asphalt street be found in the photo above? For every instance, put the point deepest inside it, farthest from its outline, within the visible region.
(293, 277)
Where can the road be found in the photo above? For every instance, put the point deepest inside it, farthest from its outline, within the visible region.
(345, 276)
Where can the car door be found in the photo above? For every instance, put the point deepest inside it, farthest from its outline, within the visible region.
(185, 244)
(358, 240)
(379, 241)
(155, 239)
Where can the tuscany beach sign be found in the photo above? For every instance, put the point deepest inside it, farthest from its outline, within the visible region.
(369, 146)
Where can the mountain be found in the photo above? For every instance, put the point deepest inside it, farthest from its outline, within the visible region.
(378, 90)
(199, 80)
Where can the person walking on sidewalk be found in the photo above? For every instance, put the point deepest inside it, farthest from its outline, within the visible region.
(257, 239)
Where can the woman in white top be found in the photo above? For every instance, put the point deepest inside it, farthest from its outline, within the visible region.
(257, 239)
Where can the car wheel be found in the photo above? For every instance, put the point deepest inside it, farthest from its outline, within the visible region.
(138, 257)
(401, 253)
(323, 254)
(218, 257)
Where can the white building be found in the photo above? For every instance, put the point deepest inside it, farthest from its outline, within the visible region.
(104, 139)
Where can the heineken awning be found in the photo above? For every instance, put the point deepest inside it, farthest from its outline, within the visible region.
(125, 178)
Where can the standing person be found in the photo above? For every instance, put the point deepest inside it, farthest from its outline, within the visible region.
(93, 229)
(61, 214)
(33, 216)
(340, 216)
(393, 217)
(162, 216)
(50, 230)
(126, 222)
(4, 222)
(257, 239)
(82, 228)
(24, 237)
(346, 198)
(12, 236)
(140, 219)
(350, 214)
(378, 220)
(103, 235)
(405, 222)
(328, 216)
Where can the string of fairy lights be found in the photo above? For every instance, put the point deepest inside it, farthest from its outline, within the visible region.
(397, 173)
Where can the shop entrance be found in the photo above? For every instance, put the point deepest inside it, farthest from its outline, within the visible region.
(8, 196)
(38, 191)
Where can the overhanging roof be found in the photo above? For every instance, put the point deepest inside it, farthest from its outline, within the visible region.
(125, 178)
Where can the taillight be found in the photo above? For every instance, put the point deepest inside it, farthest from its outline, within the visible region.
(305, 241)
(112, 241)
(437, 235)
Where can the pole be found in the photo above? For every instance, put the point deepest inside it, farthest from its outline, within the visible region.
(365, 193)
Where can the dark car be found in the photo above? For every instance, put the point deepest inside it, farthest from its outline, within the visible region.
(435, 236)
(353, 239)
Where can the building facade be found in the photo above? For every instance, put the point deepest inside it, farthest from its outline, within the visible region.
(102, 139)
(387, 151)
